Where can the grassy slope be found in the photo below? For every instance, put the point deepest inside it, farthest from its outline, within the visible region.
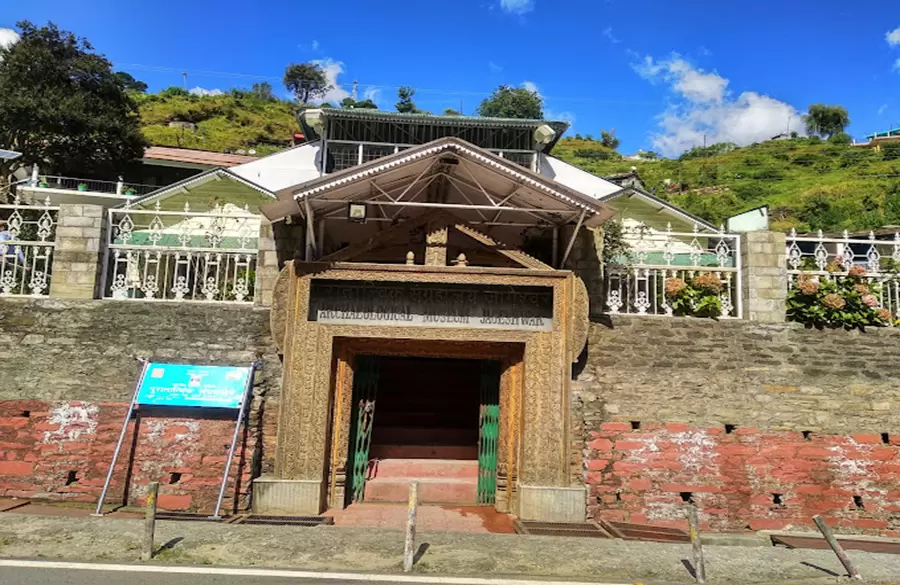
(806, 185)
(225, 123)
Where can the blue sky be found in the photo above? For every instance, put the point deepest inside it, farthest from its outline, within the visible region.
(663, 73)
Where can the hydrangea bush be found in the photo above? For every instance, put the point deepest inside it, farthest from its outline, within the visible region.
(837, 300)
(698, 297)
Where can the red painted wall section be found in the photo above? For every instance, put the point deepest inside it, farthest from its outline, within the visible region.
(62, 451)
(642, 475)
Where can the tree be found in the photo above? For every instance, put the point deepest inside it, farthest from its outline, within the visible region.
(130, 83)
(350, 103)
(61, 105)
(306, 81)
(825, 120)
(405, 103)
(263, 91)
(452, 112)
(608, 139)
(513, 102)
(840, 138)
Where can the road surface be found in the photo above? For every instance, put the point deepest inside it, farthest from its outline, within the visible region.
(23, 572)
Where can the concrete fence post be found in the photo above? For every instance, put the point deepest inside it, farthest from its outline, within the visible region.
(764, 276)
(78, 256)
(266, 265)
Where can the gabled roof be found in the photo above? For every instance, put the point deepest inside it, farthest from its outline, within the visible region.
(474, 175)
(195, 157)
(192, 182)
(662, 204)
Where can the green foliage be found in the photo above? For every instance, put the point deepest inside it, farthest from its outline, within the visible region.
(713, 150)
(405, 103)
(648, 155)
(62, 105)
(837, 300)
(130, 83)
(263, 91)
(697, 297)
(350, 103)
(840, 138)
(825, 120)
(451, 112)
(513, 102)
(306, 81)
(609, 140)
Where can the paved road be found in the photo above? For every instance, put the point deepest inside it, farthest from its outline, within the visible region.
(19, 572)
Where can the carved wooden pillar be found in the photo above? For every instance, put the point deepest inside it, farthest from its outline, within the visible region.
(436, 245)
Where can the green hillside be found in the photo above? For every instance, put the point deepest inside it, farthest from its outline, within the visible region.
(224, 123)
(807, 183)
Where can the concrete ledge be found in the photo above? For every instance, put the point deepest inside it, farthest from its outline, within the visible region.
(287, 497)
(552, 504)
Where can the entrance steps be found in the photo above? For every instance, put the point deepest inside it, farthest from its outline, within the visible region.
(447, 481)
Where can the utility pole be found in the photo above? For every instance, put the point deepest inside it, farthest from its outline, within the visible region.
(355, 88)
(185, 80)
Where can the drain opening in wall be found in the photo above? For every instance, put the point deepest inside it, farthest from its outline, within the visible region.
(71, 477)
(858, 502)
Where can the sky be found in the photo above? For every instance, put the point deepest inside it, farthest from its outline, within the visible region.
(665, 74)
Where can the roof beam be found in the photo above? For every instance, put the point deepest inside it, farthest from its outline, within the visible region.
(572, 239)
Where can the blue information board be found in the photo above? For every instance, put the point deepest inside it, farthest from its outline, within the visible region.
(185, 385)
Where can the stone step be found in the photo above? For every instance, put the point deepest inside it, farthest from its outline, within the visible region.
(431, 490)
(425, 468)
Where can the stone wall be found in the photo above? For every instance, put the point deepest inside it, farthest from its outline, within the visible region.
(762, 425)
(68, 370)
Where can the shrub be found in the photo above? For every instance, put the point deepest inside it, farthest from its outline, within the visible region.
(837, 300)
(840, 138)
(698, 297)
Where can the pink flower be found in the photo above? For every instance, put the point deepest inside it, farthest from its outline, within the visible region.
(870, 301)
(834, 301)
(807, 285)
(857, 271)
(709, 282)
(885, 315)
(674, 286)
(862, 289)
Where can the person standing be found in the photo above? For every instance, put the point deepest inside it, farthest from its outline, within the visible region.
(8, 252)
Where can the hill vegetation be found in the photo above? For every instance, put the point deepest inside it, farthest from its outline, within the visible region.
(807, 183)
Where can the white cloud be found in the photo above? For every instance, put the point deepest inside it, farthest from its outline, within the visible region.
(608, 33)
(893, 37)
(203, 91)
(494, 67)
(517, 6)
(8, 37)
(532, 87)
(333, 69)
(694, 84)
(315, 45)
(555, 116)
(882, 109)
(896, 65)
(705, 110)
(371, 93)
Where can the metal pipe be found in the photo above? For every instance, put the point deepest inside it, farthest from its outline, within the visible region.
(234, 439)
(572, 239)
(836, 547)
(112, 465)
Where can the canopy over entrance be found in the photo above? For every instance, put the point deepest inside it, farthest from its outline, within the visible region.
(449, 174)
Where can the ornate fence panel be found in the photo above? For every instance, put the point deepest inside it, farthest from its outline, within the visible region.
(26, 248)
(832, 257)
(155, 255)
(651, 277)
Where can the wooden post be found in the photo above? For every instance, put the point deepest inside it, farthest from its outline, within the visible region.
(150, 521)
(699, 562)
(409, 552)
(836, 547)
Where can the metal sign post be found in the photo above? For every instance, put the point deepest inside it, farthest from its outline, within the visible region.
(112, 465)
(234, 438)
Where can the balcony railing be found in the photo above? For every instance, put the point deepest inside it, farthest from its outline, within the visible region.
(346, 154)
(658, 264)
(26, 248)
(89, 186)
(155, 255)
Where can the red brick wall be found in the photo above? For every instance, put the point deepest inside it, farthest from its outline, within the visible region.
(639, 475)
(43, 443)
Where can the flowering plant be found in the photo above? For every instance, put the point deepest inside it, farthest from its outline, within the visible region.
(698, 297)
(837, 300)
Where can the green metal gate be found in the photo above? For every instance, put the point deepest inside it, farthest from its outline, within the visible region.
(365, 389)
(488, 431)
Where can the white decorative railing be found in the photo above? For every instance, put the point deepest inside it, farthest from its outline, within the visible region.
(155, 255)
(26, 248)
(88, 185)
(637, 282)
(832, 257)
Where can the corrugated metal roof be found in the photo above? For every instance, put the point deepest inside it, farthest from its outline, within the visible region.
(200, 157)
(369, 114)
